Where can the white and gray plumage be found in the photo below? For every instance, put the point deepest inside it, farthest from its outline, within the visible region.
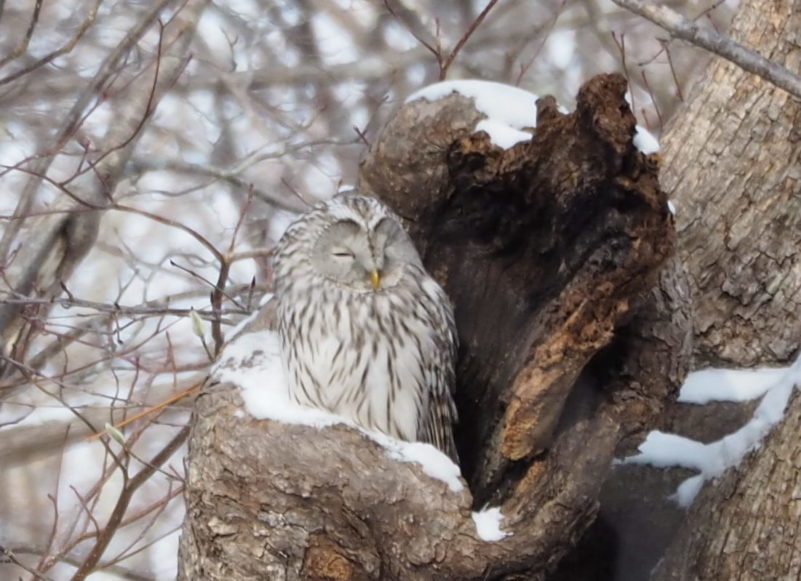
(365, 331)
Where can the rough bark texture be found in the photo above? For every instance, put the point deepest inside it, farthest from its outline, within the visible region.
(732, 164)
(748, 525)
(550, 251)
(543, 249)
(731, 160)
(277, 501)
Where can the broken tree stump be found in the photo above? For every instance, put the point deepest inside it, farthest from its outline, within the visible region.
(572, 340)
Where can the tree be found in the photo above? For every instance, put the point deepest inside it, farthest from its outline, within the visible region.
(408, 172)
(176, 160)
(544, 249)
(726, 162)
(745, 283)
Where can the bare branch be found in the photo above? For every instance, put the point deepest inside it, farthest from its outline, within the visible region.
(445, 65)
(116, 518)
(66, 48)
(74, 116)
(26, 40)
(748, 59)
(411, 21)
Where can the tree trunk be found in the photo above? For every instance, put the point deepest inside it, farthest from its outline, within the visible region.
(730, 161)
(550, 252)
(746, 525)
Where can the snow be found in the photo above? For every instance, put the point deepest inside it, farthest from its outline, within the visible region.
(645, 141)
(488, 524)
(433, 462)
(508, 109)
(711, 460)
(671, 207)
(504, 103)
(730, 384)
(502, 135)
(253, 362)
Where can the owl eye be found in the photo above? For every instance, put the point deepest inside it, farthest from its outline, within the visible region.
(342, 254)
(388, 227)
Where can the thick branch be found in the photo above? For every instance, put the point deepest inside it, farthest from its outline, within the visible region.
(360, 514)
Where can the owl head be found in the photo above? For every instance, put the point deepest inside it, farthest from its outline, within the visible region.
(353, 241)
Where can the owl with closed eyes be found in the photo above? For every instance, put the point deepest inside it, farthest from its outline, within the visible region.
(365, 331)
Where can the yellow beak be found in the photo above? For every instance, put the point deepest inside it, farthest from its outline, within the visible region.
(375, 279)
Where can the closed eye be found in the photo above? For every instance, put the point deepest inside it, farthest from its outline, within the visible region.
(343, 254)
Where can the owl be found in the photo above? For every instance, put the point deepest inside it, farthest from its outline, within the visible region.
(365, 331)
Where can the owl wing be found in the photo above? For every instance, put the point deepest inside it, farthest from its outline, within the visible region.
(436, 423)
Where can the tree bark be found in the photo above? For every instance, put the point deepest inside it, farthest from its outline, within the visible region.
(746, 525)
(533, 255)
(732, 164)
(730, 160)
(550, 252)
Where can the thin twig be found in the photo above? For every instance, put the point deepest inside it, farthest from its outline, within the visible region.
(128, 311)
(216, 305)
(443, 70)
(62, 50)
(707, 38)
(175, 224)
(621, 46)
(26, 40)
(124, 499)
(679, 92)
(409, 19)
(74, 118)
(180, 395)
(651, 94)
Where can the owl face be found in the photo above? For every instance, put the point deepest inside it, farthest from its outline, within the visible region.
(363, 254)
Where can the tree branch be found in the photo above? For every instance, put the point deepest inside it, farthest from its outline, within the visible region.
(748, 59)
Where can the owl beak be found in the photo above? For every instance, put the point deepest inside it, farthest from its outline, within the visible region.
(375, 278)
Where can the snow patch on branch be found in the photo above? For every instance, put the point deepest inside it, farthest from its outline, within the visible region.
(253, 362)
(707, 385)
(645, 141)
(434, 462)
(488, 524)
(508, 109)
(502, 135)
(711, 460)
